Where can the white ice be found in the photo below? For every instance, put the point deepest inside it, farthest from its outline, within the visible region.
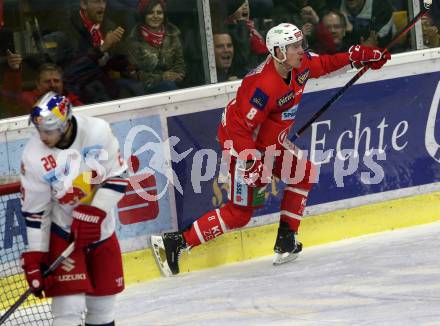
(391, 278)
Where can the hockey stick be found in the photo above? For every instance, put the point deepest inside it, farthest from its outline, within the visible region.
(66, 253)
(358, 75)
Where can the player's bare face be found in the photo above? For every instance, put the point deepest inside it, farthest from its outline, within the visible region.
(95, 10)
(50, 80)
(154, 18)
(294, 55)
(50, 138)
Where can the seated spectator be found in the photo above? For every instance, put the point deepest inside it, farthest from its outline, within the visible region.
(94, 40)
(50, 78)
(370, 22)
(154, 49)
(431, 36)
(224, 53)
(330, 33)
(249, 45)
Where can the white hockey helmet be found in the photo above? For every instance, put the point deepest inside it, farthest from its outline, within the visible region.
(280, 36)
(52, 112)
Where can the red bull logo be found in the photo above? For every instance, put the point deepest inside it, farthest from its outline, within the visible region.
(72, 196)
(62, 107)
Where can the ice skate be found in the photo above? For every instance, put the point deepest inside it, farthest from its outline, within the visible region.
(286, 247)
(167, 250)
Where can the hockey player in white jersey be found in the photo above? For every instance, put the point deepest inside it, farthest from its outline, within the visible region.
(70, 178)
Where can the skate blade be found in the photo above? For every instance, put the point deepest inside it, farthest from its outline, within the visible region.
(157, 246)
(283, 258)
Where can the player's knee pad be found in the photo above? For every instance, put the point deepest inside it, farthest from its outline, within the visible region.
(68, 310)
(236, 216)
(100, 310)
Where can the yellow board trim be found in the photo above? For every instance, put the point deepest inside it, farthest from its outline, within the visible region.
(256, 242)
(245, 244)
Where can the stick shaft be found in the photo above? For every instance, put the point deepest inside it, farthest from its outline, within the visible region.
(358, 75)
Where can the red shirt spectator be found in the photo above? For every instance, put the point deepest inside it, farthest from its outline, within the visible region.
(49, 79)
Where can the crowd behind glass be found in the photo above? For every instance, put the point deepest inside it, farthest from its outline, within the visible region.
(101, 50)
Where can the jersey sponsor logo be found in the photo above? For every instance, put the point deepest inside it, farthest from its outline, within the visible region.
(240, 193)
(50, 177)
(71, 277)
(283, 135)
(290, 114)
(259, 99)
(68, 264)
(286, 98)
(302, 77)
(72, 196)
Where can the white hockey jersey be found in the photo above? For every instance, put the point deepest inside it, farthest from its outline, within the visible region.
(54, 181)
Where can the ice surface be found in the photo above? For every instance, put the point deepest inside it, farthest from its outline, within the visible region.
(391, 278)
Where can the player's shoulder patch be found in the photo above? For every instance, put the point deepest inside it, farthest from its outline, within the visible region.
(259, 99)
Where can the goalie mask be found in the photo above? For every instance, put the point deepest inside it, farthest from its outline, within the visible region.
(281, 36)
(52, 112)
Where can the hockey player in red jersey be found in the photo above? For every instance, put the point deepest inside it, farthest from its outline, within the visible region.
(70, 186)
(254, 129)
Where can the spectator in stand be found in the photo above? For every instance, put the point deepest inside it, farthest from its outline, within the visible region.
(369, 22)
(224, 53)
(435, 13)
(431, 36)
(330, 33)
(304, 14)
(249, 45)
(154, 49)
(310, 21)
(94, 39)
(50, 78)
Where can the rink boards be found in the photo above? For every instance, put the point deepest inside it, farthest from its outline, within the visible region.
(173, 134)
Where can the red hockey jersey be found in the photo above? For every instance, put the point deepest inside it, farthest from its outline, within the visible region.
(265, 107)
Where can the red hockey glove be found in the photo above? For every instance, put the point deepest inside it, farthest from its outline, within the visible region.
(372, 57)
(254, 175)
(86, 225)
(33, 263)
